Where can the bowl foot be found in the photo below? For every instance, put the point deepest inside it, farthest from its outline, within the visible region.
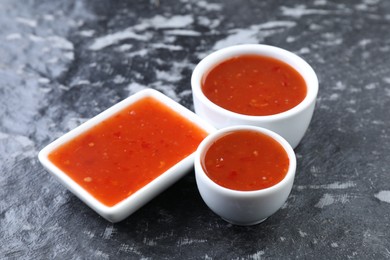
(244, 223)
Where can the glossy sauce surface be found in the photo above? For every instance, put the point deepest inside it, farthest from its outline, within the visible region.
(246, 161)
(125, 152)
(254, 85)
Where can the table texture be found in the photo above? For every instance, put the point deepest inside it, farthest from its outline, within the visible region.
(64, 61)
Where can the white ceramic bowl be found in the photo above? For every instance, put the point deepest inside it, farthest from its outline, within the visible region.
(126, 207)
(243, 207)
(291, 124)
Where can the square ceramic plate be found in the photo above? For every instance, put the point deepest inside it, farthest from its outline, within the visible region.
(132, 203)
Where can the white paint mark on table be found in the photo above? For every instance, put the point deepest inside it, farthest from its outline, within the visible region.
(149, 242)
(209, 6)
(315, 169)
(334, 245)
(329, 199)
(140, 53)
(129, 249)
(257, 255)
(166, 88)
(165, 46)
(73, 122)
(78, 82)
(303, 50)
(87, 33)
(378, 122)
(291, 39)
(386, 80)
(364, 42)
(253, 34)
(26, 21)
(119, 79)
(339, 86)
(209, 23)
(302, 234)
(370, 86)
(167, 76)
(89, 233)
(207, 257)
(48, 17)
(161, 22)
(334, 97)
(60, 43)
(114, 38)
(371, 2)
(109, 231)
(164, 81)
(275, 25)
(69, 55)
(124, 47)
(319, 2)
(43, 80)
(239, 36)
(13, 36)
(21, 144)
(330, 39)
(387, 92)
(102, 255)
(181, 32)
(55, 42)
(188, 241)
(35, 38)
(185, 93)
(165, 235)
(134, 87)
(177, 21)
(315, 27)
(300, 10)
(383, 195)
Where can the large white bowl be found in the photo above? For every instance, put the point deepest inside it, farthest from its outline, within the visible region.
(129, 205)
(243, 207)
(291, 124)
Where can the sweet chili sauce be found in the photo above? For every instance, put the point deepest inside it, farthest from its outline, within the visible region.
(254, 85)
(128, 150)
(246, 160)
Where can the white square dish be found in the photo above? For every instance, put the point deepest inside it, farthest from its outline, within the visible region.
(133, 202)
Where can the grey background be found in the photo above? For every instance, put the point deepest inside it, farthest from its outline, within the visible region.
(64, 61)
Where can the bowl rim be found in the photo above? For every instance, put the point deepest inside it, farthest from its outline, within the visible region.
(215, 58)
(146, 192)
(206, 143)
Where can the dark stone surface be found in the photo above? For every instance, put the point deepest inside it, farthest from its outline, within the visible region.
(64, 61)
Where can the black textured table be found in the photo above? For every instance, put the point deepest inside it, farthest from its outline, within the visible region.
(64, 61)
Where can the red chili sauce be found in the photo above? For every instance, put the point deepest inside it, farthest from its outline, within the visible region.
(254, 85)
(246, 161)
(125, 152)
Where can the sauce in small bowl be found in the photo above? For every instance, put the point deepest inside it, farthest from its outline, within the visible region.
(120, 159)
(244, 173)
(254, 85)
(245, 160)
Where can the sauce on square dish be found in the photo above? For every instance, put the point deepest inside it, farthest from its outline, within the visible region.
(128, 150)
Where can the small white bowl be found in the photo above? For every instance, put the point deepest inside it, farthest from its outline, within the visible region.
(129, 205)
(291, 124)
(243, 207)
